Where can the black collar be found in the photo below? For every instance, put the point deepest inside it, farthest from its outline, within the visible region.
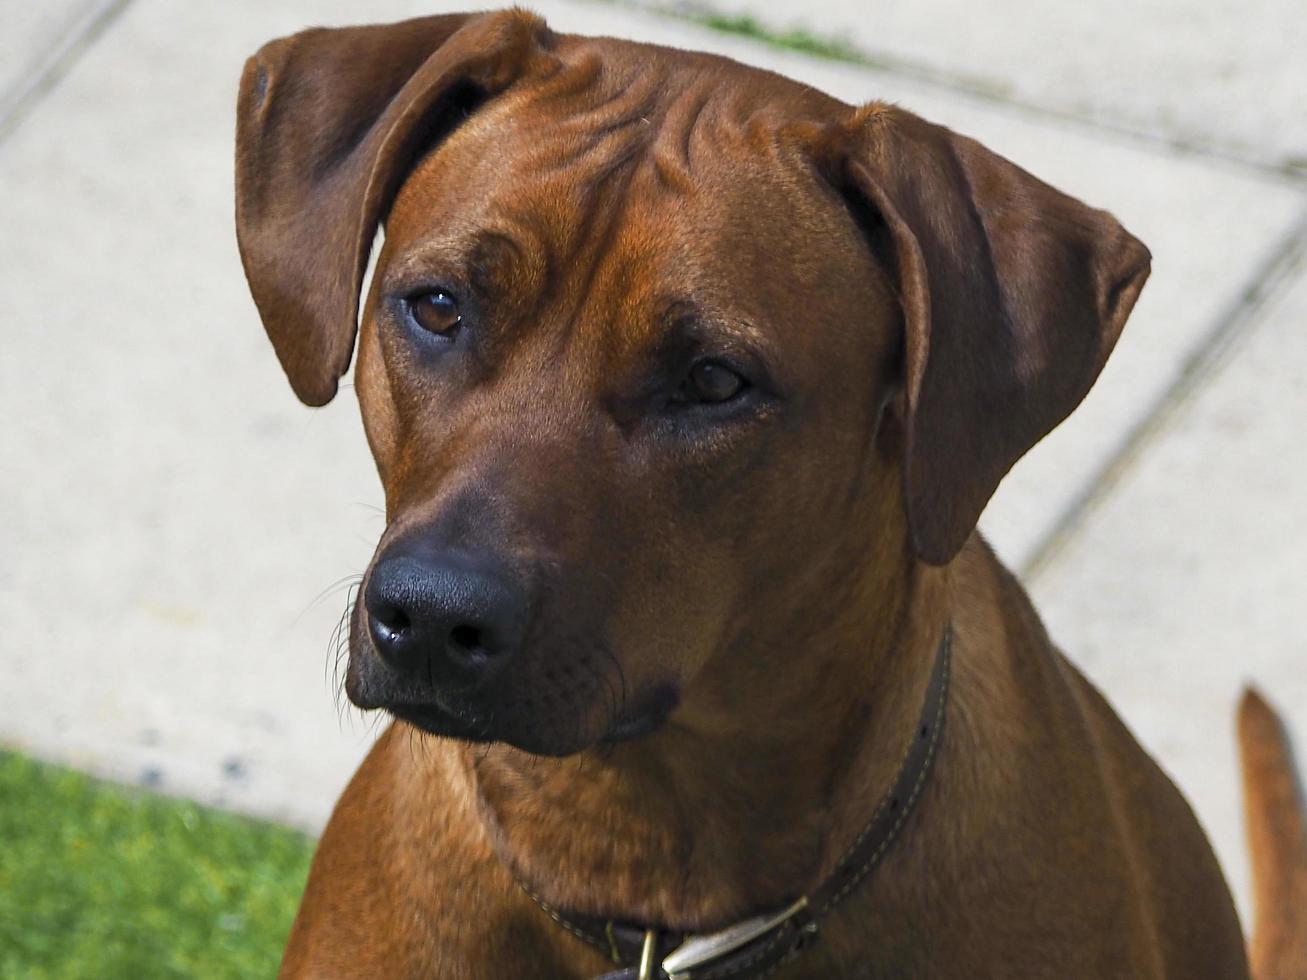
(756, 946)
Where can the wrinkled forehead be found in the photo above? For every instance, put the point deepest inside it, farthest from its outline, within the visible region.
(625, 145)
(649, 175)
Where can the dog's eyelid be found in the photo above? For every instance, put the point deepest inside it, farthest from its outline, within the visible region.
(688, 319)
(406, 283)
(690, 334)
(440, 264)
(455, 261)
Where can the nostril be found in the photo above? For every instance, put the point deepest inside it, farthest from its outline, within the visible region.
(465, 639)
(392, 619)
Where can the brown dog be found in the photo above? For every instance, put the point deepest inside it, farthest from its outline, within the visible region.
(687, 384)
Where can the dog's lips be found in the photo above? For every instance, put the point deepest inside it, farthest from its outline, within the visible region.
(370, 685)
(647, 716)
(434, 720)
(625, 729)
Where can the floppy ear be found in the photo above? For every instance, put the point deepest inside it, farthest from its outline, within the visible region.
(328, 124)
(1013, 296)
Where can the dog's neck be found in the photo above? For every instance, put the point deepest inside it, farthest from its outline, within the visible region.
(749, 796)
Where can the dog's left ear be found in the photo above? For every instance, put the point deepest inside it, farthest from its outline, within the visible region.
(328, 124)
(1013, 296)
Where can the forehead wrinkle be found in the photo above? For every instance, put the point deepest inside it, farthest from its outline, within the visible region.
(583, 161)
(598, 126)
(608, 96)
(673, 149)
(566, 139)
(589, 159)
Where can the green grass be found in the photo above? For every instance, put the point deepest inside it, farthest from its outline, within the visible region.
(829, 46)
(793, 39)
(101, 881)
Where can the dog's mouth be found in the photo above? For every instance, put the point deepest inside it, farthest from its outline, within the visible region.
(638, 721)
(645, 717)
(435, 720)
(573, 705)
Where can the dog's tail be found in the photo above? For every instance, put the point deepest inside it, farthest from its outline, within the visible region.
(1277, 840)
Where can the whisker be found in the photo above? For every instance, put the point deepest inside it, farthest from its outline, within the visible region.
(338, 649)
(350, 581)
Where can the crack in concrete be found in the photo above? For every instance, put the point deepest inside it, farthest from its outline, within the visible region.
(76, 40)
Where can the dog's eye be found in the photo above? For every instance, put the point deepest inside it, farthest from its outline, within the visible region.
(711, 382)
(436, 312)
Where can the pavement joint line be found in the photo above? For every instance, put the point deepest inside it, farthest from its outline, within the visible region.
(1230, 328)
(79, 36)
(825, 48)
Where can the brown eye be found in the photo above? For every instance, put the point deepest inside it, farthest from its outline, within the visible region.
(436, 312)
(712, 382)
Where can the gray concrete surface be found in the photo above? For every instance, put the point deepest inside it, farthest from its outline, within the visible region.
(39, 41)
(32, 31)
(170, 517)
(1220, 77)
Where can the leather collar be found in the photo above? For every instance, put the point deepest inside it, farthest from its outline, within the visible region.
(756, 946)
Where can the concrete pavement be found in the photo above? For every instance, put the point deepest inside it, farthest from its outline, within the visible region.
(1221, 78)
(170, 517)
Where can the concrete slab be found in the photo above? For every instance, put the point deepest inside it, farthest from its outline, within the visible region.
(174, 513)
(1187, 580)
(1227, 75)
(34, 35)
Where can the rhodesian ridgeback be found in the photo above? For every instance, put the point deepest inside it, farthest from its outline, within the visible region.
(687, 385)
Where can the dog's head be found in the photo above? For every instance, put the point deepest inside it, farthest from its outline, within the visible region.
(661, 355)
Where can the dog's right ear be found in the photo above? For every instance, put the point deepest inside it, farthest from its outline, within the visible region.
(1013, 295)
(329, 122)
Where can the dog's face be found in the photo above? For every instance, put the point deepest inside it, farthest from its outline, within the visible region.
(589, 372)
(655, 356)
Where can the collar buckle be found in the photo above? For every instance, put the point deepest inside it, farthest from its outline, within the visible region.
(699, 951)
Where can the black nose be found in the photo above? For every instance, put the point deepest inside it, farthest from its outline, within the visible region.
(445, 619)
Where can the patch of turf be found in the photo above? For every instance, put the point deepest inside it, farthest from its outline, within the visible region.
(101, 881)
(793, 39)
(832, 48)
